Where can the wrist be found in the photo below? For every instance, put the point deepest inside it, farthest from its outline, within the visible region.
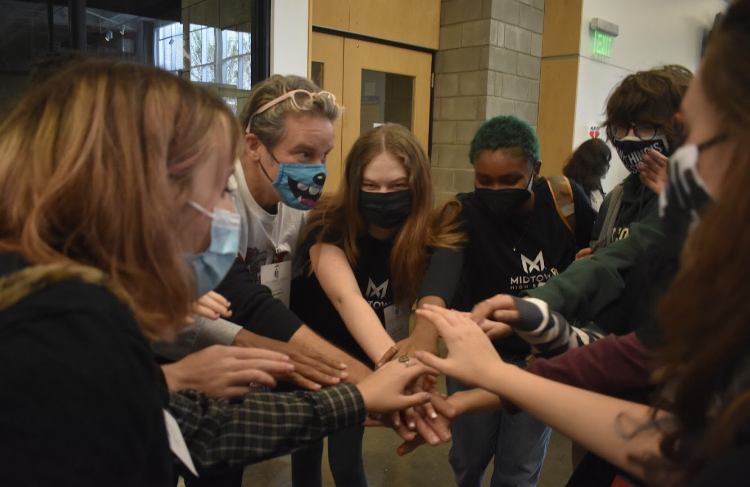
(173, 377)
(243, 339)
(424, 336)
(357, 372)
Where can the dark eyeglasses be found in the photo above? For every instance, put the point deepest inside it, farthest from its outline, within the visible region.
(644, 131)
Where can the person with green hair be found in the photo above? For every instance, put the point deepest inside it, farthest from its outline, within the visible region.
(516, 241)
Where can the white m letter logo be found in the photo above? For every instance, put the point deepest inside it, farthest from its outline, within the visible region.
(376, 291)
(533, 265)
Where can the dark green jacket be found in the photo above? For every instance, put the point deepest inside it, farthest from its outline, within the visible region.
(589, 285)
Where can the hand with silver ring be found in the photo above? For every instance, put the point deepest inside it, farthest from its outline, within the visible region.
(404, 359)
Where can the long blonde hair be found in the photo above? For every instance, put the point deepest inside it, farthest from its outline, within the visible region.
(95, 164)
(424, 229)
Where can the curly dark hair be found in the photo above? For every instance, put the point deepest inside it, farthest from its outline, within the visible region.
(588, 164)
(506, 132)
(653, 97)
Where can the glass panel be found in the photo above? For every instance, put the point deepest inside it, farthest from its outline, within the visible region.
(316, 73)
(386, 98)
(207, 41)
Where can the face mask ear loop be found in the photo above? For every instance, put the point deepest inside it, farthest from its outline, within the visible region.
(201, 209)
(264, 169)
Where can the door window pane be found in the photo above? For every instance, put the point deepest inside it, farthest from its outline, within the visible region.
(386, 98)
(316, 73)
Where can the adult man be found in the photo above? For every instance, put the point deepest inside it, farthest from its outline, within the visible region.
(517, 241)
(281, 172)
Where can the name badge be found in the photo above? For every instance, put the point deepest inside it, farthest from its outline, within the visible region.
(278, 278)
(177, 442)
(396, 322)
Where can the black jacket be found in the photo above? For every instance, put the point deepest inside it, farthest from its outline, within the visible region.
(82, 398)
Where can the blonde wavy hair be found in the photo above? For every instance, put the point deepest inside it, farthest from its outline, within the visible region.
(269, 125)
(96, 163)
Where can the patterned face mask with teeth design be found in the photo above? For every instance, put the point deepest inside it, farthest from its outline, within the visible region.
(300, 185)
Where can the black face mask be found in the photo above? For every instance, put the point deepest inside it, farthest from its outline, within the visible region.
(385, 210)
(504, 203)
(631, 150)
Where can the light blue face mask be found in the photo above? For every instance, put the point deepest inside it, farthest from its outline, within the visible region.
(212, 265)
(299, 185)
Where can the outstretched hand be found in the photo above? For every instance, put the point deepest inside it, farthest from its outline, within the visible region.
(469, 349)
(311, 369)
(212, 306)
(221, 371)
(384, 390)
(500, 307)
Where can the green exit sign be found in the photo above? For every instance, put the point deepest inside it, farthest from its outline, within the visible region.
(601, 44)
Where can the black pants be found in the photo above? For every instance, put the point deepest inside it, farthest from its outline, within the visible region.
(344, 458)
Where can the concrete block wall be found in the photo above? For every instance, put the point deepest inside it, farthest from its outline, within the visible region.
(488, 64)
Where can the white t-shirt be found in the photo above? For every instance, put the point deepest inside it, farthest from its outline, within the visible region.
(265, 238)
(597, 198)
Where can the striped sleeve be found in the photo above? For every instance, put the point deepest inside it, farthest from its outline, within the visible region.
(547, 331)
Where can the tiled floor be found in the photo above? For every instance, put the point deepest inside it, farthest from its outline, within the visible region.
(424, 467)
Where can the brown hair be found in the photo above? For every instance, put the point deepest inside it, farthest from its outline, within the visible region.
(588, 164)
(269, 125)
(95, 164)
(424, 228)
(705, 313)
(652, 96)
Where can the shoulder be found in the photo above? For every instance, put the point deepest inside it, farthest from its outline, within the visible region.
(78, 345)
(469, 203)
(75, 316)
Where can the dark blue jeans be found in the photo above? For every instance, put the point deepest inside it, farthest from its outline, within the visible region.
(344, 458)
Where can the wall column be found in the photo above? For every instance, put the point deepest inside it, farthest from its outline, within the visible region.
(488, 64)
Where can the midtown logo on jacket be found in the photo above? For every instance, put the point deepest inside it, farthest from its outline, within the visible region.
(535, 273)
(533, 265)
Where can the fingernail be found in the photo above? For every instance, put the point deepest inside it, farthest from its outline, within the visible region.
(447, 437)
(342, 365)
(401, 452)
(434, 439)
(412, 425)
(336, 379)
(343, 374)
(433, 415)
(289, 367)
(397, 423)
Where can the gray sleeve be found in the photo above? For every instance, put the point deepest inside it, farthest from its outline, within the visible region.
(202, 334)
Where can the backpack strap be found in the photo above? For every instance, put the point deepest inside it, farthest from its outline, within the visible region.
(606, 235)
(562, 195)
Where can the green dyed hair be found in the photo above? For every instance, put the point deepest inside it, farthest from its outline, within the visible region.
(505, 132)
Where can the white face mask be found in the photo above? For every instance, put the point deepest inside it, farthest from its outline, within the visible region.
(685, 186)
(685, 194)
